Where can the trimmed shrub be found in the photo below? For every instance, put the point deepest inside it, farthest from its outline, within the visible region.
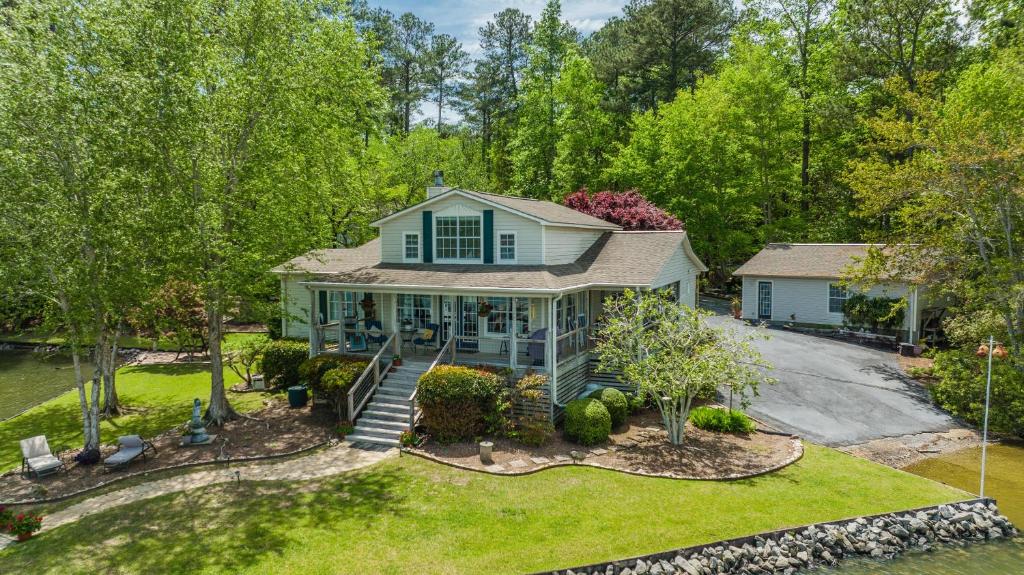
(616, 403)
(334, 384)
(587, 421)
(313, 369)
(457, 401)
(535, 431)
(636, 402)
(281, 361)
(723, 420)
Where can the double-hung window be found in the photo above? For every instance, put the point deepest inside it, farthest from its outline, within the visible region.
(500, 318)
(410, 247)
(459, 238)
(333, 303)
(507, 247)
(837, 295)
(414, 309)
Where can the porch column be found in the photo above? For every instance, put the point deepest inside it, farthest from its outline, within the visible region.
(552, 353)
(513, 354)
(314, 345)
(341, 321)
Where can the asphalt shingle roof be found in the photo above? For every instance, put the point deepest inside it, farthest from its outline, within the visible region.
(616, 258)
(804, 260)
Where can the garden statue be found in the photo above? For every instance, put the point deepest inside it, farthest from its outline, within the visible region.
(196, 428)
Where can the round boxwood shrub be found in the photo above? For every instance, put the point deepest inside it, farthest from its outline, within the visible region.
(281, 361)
(457, 400)
(616, 403)
(587, 421)
(334, 384)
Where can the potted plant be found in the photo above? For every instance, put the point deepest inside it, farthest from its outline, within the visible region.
(737, 307)
(396, 361)
(408, 439)
(22, 526)
(484, 309)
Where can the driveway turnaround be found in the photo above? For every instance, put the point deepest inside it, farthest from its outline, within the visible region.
(837, 393)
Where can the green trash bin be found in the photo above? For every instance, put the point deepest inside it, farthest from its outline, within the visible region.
(298, 396)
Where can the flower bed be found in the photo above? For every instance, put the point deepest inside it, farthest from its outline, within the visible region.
(274, 430)
(639, 447)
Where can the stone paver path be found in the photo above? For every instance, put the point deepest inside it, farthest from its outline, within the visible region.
(331, 461)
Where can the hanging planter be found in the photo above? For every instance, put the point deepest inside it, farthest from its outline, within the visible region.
(484, 309)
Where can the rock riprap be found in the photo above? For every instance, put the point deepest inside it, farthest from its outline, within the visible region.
(790, 551)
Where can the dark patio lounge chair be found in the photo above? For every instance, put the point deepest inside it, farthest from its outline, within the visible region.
(129, 448)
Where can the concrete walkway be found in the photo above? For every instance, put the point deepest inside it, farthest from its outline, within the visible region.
(331, 461)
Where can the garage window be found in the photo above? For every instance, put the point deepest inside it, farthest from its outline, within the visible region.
(837, 295)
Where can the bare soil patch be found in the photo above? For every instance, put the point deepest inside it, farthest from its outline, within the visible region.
(899, 452)
(640, 446)
(274, 430)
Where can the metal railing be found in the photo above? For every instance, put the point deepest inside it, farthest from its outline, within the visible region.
(573, 343)
(368, 381)
(445, 355)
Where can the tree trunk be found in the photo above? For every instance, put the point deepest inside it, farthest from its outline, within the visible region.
(90, 413)
(219, 410)
(111, 404)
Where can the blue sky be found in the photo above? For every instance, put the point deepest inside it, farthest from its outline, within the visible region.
(462, 18)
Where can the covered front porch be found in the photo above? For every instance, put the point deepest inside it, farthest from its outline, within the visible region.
(519, 331)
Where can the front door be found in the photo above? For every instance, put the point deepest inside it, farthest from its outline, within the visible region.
(764, 300)
(469, 325)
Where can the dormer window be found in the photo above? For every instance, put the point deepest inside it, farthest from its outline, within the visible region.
(458, 237)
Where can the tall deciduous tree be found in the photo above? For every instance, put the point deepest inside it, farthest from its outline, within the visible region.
(584, 128)
(956, 205)
(257, 108)
(75, 199)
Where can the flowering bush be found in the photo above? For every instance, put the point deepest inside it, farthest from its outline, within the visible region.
(23, 525)
(628, 209)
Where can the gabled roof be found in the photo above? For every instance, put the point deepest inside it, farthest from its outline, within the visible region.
(826, 261)
(615, 259)
(544, 212)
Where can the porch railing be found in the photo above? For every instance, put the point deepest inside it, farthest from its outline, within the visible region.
(368, 381)
(572, 343)
(445, 355)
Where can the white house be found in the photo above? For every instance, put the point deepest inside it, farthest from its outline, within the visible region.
(800, 284)
(475, 278)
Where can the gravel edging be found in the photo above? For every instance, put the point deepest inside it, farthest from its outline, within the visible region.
(797, 448)
(789, 550)
(231, 461)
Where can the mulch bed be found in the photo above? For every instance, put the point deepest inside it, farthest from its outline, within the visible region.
(640, 446)
(279, 430)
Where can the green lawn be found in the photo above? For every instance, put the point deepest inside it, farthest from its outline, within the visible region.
(125, 341)
(158, 397)
(413, 516)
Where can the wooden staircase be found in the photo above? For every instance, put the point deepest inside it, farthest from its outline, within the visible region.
(386, 416)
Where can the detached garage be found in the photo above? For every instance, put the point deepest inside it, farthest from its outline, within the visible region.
(800, 284)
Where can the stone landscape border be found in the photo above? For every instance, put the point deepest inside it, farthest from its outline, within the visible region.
(216, 462)
(687, 560)
(796, 448)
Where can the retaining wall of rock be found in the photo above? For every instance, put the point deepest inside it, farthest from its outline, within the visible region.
(788, 551)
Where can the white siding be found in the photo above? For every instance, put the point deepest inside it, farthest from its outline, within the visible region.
(805, 300)
(680, 268)
(528, 232)
(295, 302)
(566, 245)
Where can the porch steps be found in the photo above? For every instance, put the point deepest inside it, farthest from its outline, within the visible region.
(386, 416)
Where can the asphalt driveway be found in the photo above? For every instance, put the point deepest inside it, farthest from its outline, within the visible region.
(837, 393)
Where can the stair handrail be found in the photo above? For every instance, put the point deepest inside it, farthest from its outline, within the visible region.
(447, 348)
(372, 369)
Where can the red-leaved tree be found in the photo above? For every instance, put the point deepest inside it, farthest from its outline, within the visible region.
(628, 209)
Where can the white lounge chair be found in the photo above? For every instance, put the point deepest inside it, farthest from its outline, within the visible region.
(37, 459)
(129, 447)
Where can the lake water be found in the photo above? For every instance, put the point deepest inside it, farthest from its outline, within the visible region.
(1004, 481)
(27, 379)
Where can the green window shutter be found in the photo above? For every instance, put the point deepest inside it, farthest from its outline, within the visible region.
(488, 236)
(428, 237)
(322, 312)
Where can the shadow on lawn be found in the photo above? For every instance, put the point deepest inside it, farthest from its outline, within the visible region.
(223, 529)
